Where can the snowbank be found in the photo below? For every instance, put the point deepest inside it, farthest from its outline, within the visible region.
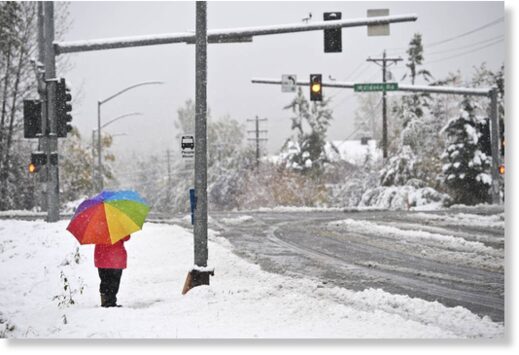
(49, 289)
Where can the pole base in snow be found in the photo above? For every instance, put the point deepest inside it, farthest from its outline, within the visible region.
(196, 278)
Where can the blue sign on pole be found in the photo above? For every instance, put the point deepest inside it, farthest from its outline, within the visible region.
(192, 200)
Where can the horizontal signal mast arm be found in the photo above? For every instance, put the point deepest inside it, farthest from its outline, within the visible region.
(410, 88)
(244, 34)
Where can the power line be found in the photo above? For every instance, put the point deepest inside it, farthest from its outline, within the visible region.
(466, 52)
(467, 46)
(496, 21)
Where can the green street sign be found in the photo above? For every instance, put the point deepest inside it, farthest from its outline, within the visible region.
(375, 87)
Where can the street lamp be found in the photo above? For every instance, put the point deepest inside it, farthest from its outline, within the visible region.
(100, 172)
(99, 103)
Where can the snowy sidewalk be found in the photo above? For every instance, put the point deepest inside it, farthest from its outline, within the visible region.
(242, 302)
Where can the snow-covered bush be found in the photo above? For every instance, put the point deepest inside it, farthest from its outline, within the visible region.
(403, 198)
(272, 185)
(400, 168)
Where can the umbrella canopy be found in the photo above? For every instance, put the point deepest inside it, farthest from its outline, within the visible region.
(108, 217)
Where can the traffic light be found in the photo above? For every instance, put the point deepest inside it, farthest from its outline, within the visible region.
(501, 169)
(333, 37)
(31, 118)
(316, 88)
(63, 108)
(38, 159)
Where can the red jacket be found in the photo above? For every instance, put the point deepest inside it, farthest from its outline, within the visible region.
(111, 256)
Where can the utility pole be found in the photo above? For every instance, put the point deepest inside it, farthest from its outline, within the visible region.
(257, 138)
(52, 147)
(384, 60)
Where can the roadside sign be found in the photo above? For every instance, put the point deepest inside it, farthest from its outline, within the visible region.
(375, 87)
(187, 144)
(378, 30)
(288, 83)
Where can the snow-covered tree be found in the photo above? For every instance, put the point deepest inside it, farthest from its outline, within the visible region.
(400, 168)
(413, 105)
(466, 168)
(311, 122)
(75, 168)
(367, 116)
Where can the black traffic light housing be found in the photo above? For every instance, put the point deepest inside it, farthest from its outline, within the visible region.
(316, 87)
(31, 118)
(63, 108)
(333, 37)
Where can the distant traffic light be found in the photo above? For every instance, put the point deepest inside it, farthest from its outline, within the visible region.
(63, 108)
(501, 169)
(316, 88)
(31, 118)
(38, 159)
(333, 37)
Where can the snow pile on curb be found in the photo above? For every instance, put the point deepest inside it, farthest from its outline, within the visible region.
(49, 289)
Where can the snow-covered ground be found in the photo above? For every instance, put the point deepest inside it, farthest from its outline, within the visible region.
(38, 260)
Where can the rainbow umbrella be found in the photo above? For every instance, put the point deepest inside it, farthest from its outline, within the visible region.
(108, 217)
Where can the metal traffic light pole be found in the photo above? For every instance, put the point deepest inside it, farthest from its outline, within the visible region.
(200, 276)
(52, 145)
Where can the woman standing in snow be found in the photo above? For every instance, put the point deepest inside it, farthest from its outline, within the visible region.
(110, 261)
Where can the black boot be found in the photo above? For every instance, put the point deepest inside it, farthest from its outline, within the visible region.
(104, 300)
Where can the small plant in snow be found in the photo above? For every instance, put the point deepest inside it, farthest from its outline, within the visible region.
(66, 298)
(5, 327)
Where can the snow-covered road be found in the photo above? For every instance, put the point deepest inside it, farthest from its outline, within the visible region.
(38, 260)
(454, 257)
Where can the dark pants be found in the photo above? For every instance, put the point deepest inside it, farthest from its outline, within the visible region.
(110, 280)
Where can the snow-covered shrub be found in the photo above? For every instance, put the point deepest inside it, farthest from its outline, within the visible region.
(272, 185)
(402, 197)
(347, 183)
(400, 168)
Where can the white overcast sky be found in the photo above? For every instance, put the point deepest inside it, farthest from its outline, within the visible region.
(100, 74)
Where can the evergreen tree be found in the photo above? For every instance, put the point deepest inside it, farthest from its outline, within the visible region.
(311, 122)
(465, 172)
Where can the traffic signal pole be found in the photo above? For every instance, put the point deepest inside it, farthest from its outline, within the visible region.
(494, 141)
(199, 275)
(43, 141)
(52, 145)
